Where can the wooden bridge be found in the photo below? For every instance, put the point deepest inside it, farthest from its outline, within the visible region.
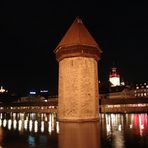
(30, 107)
(132, 105)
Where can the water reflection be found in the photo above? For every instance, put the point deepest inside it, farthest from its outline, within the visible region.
(43, 130)
(120, 130)
(112, 122)
(35, 126)
(1, 136)
(32, 122)
(14, 124)
(31, 141)
(79, 135)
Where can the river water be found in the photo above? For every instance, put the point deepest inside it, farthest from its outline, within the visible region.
(33, 130)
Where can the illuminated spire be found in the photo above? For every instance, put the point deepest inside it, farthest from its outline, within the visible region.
(114, 77)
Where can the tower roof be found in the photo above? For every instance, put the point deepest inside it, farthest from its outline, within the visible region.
(77, 34)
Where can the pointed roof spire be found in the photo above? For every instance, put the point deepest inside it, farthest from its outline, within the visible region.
(77, 35)
(77, 42)
(78, 19)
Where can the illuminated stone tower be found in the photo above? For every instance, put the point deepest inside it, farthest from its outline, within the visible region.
(77, 54)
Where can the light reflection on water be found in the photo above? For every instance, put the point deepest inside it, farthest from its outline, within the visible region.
(79, 135)
(29, 122)
(43, 130)
(124, 130)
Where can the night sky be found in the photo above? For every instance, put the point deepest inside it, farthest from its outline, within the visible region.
(30, 31)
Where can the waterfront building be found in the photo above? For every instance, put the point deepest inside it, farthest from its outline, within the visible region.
(125, 99)
(124, 92)
(141, 90)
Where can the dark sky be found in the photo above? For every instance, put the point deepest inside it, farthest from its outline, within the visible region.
(30, 31)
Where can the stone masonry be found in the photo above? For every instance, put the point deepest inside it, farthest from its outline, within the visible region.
(78, 75)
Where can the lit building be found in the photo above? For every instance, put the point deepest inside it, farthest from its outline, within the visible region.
(125, 99)
(2, 90)
(141, 90)
(114, 77)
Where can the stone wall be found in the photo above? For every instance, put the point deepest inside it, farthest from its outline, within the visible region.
(78, 89)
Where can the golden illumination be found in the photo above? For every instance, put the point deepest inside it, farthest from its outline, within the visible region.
(42, 126)
(35, 126)
(2, 90)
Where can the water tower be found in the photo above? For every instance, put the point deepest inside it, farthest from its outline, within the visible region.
(78, 54)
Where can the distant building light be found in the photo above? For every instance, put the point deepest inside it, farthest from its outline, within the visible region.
(137, 87)
(122, 83)
(32, 93)
(115, 81)
(2, 90)
(43, 91)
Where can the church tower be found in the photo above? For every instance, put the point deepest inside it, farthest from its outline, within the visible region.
(114, 77)
(78, 54)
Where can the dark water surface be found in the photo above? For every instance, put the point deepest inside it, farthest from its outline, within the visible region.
(20, 130)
